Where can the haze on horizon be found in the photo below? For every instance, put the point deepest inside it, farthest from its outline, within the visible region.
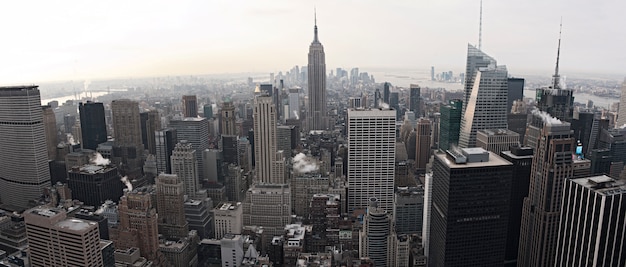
(76, 40)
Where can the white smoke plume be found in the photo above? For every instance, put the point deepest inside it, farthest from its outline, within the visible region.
(547, 118)
(295, 113)
(304, 164)
(70, 139)
(127, 183)
(383, 104)
(97, 159)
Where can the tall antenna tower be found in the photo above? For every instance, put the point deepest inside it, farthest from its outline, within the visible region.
(480, 27)
(557, 77)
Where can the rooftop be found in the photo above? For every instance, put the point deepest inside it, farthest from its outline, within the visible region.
(602, 185)
(75, 224)
(469, 156)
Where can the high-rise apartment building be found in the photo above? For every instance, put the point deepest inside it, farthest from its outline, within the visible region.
(497, 140)
(50, 128)
(450, 124)
(228, 118)
(316, 109)
(150, 123)
(371, 157)
(170, 195)
(24, 171)
(486, 99)
(471, 189)
(165, 140)
(183, 162)
(593, 215)
(92, 124)
(55, 240)
(551, 166)
(414, 99)
(422, 143)
(196, 132)
(190, 106)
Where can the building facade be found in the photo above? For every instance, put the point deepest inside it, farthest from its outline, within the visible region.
(316, 69)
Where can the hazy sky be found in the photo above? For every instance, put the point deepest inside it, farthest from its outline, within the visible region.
(75, 40)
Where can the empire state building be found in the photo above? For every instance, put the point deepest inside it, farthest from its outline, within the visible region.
(316, 108)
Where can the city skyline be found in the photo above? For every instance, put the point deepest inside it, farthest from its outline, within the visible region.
(75, 41)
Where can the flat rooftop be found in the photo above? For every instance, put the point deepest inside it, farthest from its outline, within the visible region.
(494, 160)
(75, 224)
(602, 185)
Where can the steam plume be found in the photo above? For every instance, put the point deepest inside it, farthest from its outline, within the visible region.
(97, 159)
(295, 113)
(304, 164)
(547, 118)
(70, 139)
(127, 183)
(383, 104)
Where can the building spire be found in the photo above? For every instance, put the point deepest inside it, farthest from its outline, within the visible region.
(315, 40)
(556, 77)
(480, 27)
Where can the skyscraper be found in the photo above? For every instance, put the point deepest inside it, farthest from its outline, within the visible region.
(497, 140)
(386, 92)
(515, 91)
(316, 110)
(593, 216)
(471, 189)
(551, 166)
(190, 106)
(450, 124)
(24, 168)
(414, 99)
(165, 141)
(621, 117)
(371, 157)
(55, 240)
(150, 123)
(170, 195)
(94, 184)
(422, 143)
(377, 235)
(128, 147)
(486, 106)
(50, 127)
(227, 119)
(92, 124)
(265, 139)
(196, 132)
(183, 163)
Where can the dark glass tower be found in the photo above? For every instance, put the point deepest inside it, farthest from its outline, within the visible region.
(92, 124)
(414, 100)
(450, 124)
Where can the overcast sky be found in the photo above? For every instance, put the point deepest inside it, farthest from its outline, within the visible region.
(75, 40)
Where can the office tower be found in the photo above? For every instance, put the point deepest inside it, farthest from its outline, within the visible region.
(232, 250)
(471, 189)
(196, 132)
(354, 102)
(621, 117)
(486, 106)
(170, 192)
(303, 187)
(128, 147)
(518, 118)
(497, 140)
(227, 119)
(198, 214)
(92, 124)
(208, 111)
(165, 140)
(94, 184)
(376, 238)
(414, 99)
(585, 125)
(68, 123)
(234, 182)
(555, 100)
(598, 240)
(131, 257)
(138, 225)
(50, 128)
(213, 165)
(285, 135)
(436, 124)
(181, 252)
(24, 160)
(408, 210)
(386, 92)
(228, 219)
(450, 124)
(265, 139)
(150, 123)
(432, 73)
(55, 240)
(230, 149)
(316, 109)
(268, 206)
(377, 98)
(77, 136)
(515, 91)
(394, 103)
(294, 104)
(183, 162)
(371, 157)
(521, 158)
(190, 106)
(551, 166)
(422, 143)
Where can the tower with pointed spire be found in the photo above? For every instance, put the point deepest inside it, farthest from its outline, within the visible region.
(316, 108)
(556, 99)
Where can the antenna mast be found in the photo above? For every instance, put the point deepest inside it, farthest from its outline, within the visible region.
(557, 78)
(480, 27)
